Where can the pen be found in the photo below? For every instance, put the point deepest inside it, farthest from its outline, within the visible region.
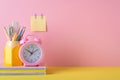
(22, 32)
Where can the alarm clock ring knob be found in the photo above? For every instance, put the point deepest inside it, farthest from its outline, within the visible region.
(30, 38)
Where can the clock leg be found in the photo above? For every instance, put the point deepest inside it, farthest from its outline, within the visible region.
(30, 65)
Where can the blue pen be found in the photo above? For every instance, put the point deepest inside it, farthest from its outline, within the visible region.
(19, 35)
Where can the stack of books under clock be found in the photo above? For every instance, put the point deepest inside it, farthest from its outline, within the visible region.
(41, 70)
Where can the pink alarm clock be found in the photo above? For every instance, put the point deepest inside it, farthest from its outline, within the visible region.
(30, 52)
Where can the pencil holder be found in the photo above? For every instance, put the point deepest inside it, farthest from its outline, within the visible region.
(11, 54)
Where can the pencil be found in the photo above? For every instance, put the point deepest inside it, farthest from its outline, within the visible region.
(6, 33)
(14, 37)
(18, 30)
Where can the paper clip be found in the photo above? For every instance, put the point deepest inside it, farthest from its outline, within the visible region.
(42, 16)
(35, 16)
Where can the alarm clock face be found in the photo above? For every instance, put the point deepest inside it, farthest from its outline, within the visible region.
(32, 53)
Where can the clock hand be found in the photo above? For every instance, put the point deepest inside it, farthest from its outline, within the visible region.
(35, 50)
(28, 51)
(32, 48)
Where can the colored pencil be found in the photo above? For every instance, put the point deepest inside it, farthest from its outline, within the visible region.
(13, 35)
(6, 33)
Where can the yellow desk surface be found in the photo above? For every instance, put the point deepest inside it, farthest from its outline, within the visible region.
(71, 73)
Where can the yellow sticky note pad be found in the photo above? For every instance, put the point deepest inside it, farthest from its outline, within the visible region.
(38, 23)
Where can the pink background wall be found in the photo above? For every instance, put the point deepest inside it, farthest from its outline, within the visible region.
(80, 32)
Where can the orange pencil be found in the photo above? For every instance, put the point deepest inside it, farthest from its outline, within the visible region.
(14, 37)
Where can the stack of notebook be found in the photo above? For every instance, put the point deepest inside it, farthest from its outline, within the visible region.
(22, 70)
